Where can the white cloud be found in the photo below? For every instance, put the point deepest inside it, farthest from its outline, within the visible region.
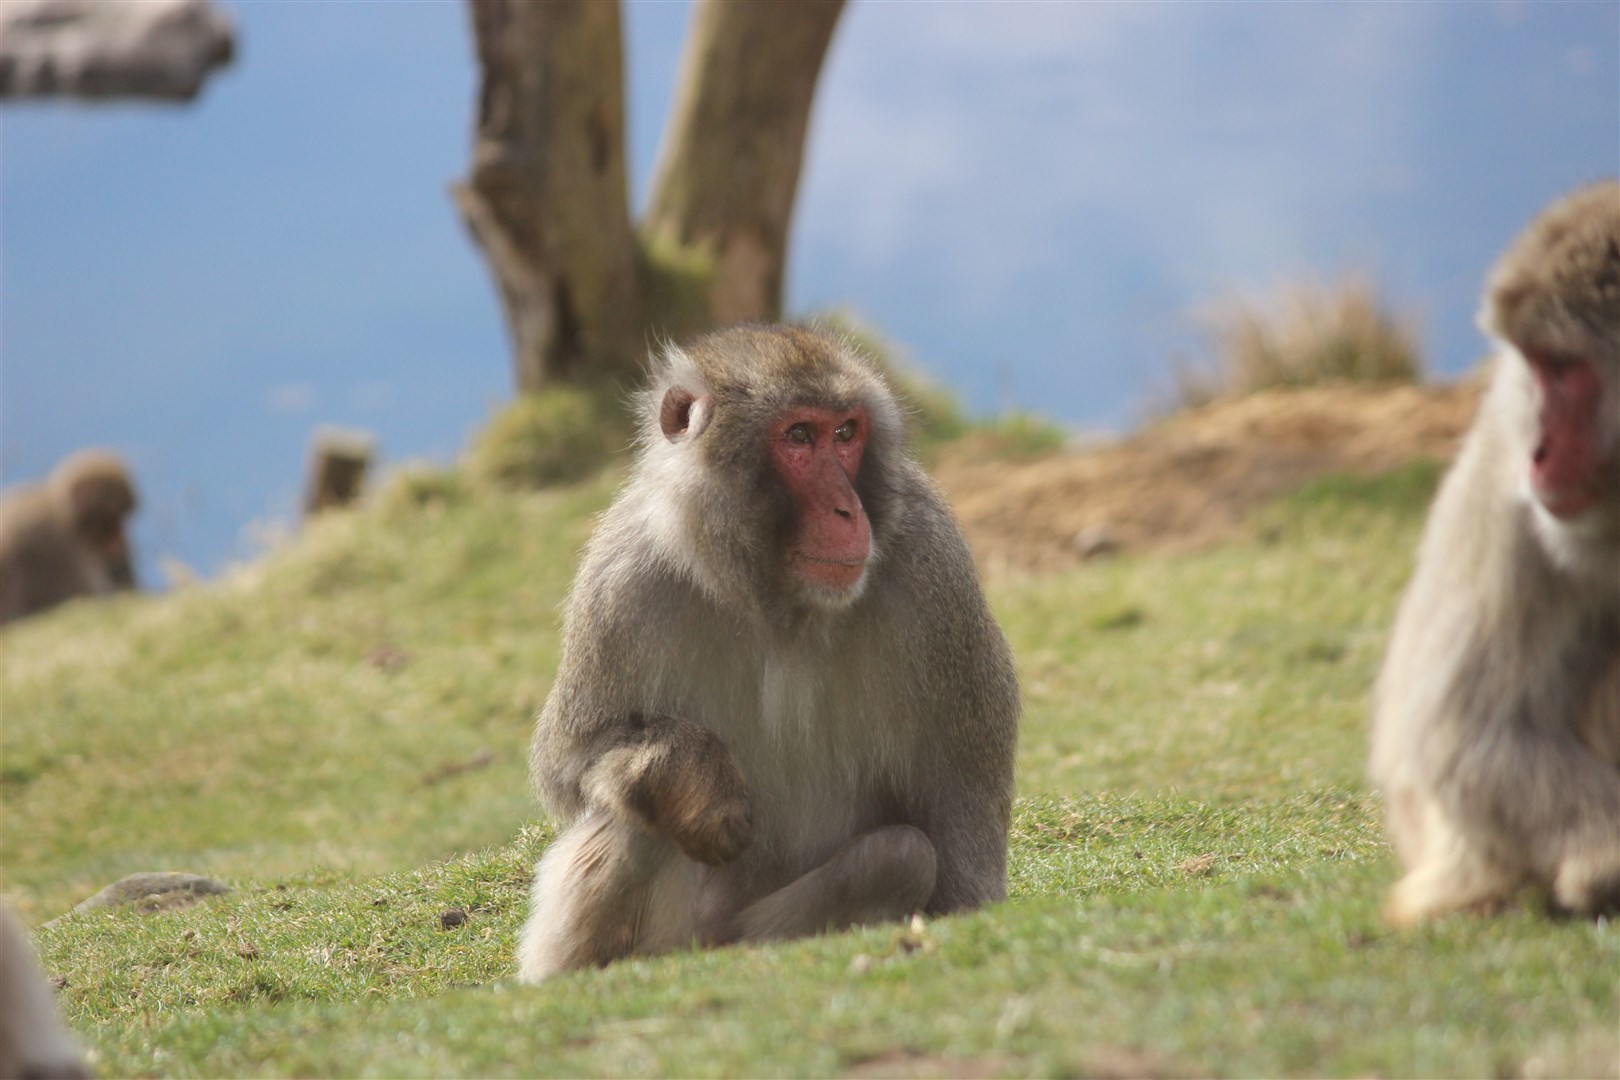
(1580, 61)
(377, 395)
(1212, 136)
(1511, 12)
(291, 398)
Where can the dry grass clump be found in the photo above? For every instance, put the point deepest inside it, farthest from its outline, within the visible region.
(1305, 335)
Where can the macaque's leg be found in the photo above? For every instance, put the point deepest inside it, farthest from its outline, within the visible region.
(880, 876)
(605, 889)
(1447, 874)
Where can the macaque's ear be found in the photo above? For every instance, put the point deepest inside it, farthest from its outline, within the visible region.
(682, 414)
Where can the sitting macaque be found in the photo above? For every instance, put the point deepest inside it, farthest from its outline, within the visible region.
(1497, 732)
(783, 705)
(65, 537)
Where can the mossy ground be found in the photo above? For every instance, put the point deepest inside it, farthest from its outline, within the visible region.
(339, 731)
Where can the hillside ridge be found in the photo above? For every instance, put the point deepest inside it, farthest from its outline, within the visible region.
(1186, 481)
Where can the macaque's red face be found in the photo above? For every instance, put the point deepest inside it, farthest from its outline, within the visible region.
(817, 452)
(1568, 470)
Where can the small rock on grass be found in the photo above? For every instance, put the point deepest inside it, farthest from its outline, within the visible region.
(153, 892)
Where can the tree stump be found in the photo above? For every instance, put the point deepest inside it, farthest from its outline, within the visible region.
(338, 462)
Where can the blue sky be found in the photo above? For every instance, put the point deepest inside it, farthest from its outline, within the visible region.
(1032, 198)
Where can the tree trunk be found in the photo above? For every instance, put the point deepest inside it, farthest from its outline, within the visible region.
(729, 167)
(546, 195)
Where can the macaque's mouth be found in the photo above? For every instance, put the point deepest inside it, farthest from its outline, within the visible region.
(834, 573)
(1565, 504)
(1563, 497)
(1563, 477)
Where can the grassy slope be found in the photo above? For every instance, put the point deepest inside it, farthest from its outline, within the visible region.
(1197, 864)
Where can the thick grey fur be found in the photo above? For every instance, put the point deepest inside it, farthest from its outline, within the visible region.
(735, 755)
(1497, 732)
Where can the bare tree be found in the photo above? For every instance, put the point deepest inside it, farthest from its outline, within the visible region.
(546, 197)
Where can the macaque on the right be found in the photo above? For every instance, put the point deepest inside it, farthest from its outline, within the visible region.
(1496, 737)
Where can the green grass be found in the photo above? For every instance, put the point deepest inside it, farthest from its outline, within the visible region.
(298, 715)
(340, 730)
(1239, 671)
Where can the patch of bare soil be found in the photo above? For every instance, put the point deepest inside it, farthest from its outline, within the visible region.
(1188, 481)
(903, 1065)
(1099, 1063)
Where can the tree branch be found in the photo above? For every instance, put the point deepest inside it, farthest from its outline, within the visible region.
(729, 168)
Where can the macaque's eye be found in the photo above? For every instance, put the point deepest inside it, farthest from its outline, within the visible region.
(799, 433)
(845, 432)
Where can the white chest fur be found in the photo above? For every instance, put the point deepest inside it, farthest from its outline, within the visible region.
(805, 726)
